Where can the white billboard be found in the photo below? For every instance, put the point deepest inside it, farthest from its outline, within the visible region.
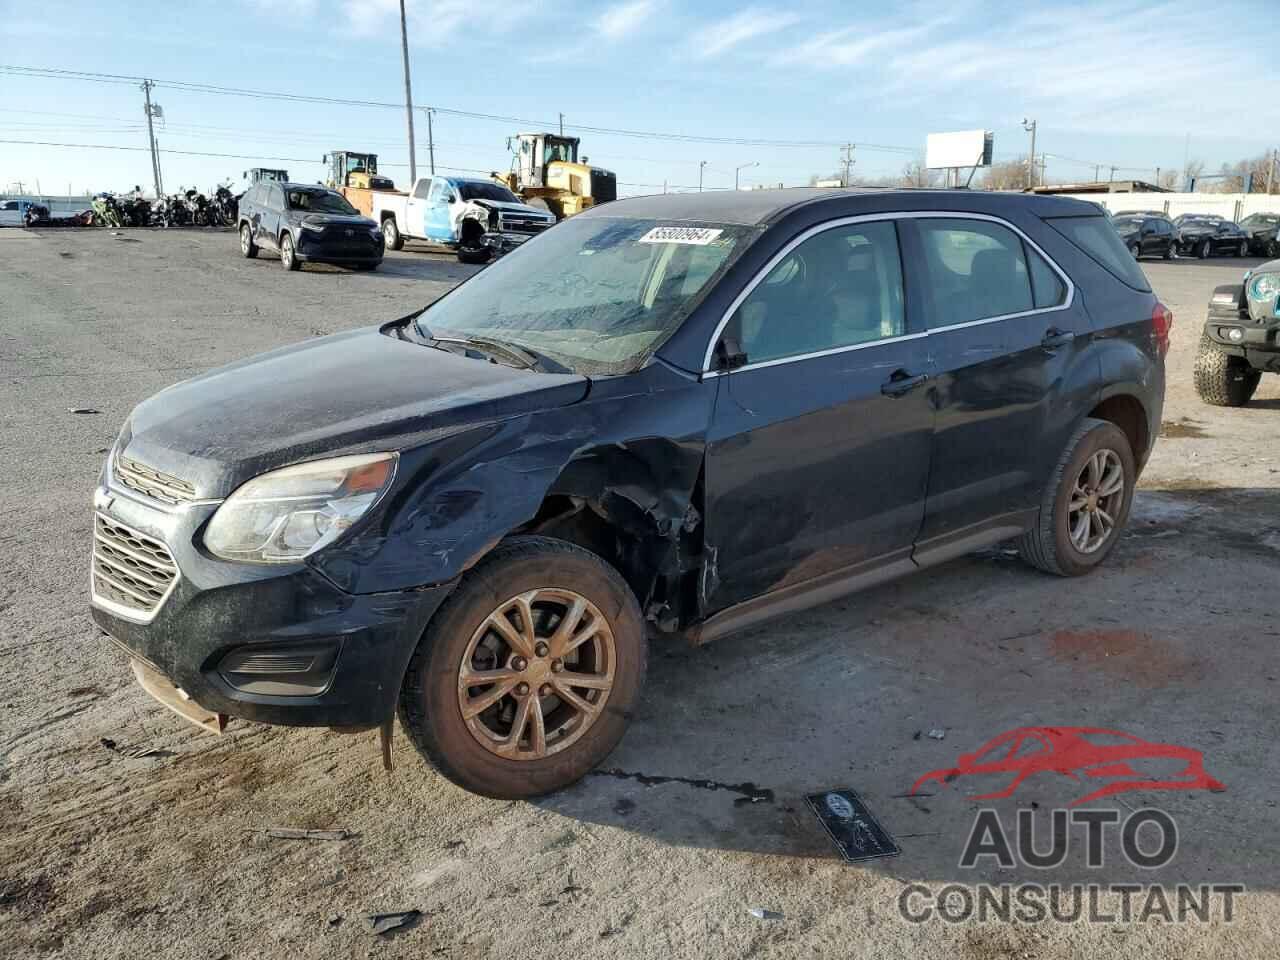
(964, 148)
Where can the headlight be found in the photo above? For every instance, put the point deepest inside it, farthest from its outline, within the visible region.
(289, 514)
(308, 225)
(1265, 286)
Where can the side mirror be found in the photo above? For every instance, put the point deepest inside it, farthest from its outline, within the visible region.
(729, 354)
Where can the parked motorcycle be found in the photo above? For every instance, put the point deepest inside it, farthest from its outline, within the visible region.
(225, 206)
(106, 211)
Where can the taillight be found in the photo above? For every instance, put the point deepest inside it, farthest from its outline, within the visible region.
(1161, 324)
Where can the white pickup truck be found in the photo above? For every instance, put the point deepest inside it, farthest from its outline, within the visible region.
(478, 218)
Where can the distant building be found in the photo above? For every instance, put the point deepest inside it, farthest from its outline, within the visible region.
(1102, 186)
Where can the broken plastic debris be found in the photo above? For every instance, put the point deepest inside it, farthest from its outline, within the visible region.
(386, 922)
(82, 410)
(290, 833)
(760, 913)
(937, 733)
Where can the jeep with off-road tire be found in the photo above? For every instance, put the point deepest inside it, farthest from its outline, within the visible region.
(1241, 338)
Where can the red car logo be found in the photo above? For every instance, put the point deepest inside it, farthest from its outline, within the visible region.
(1077, 752)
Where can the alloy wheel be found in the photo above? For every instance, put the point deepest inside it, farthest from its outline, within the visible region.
(536, 674)
(244, 240)
(1095, 502)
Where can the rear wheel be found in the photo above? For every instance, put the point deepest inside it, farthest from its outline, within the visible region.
(1170, 251)
(1206, 248)
(1273, 249)
(1085, 504)
(1223, 380)
(391, 238)
(1244, 249)
(528, 674)
(1135, 251)
(248, 248)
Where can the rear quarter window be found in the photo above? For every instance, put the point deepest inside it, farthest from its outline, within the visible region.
(1097, 238)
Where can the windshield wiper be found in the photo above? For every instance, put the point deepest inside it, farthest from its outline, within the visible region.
(526, 357)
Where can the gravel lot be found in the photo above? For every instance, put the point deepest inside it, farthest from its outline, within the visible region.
(104, 853)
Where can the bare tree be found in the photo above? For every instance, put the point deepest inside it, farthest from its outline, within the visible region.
(1168, 180)
(1011, 175)
(1193, 169)
(915, 174)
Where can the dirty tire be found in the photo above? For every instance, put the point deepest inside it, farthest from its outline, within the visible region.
(288, 257)
(470, 249)
(1221, 379)
(391, 238)
(1047, 546)
(248, 249)
(429, 709)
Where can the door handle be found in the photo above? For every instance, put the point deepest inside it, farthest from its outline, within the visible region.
(1055, 338)
(900, 382)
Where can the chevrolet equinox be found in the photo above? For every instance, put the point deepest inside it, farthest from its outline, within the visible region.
(671, 415)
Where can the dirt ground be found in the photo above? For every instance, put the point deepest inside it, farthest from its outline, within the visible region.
(105, 852)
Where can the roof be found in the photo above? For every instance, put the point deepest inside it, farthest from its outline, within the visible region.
(752, 207)
(1103, 186)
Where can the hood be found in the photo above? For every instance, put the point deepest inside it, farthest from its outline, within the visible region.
(508, 205)
(358, 390)
(333, 219)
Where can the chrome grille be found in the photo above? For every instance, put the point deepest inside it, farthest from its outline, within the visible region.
(152, 483)
(131, 571)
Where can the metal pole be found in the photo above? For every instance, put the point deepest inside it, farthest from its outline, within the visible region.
(1271, 170)
(408, 95)
(1097, 172)
(562, 124)
(431, 142)
(1112, 178)
(701, 164)
(1030, 127)
(151, 136)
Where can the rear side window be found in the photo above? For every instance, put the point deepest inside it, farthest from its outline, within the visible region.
(977, 270)
(1098, 239)
(1046, 286)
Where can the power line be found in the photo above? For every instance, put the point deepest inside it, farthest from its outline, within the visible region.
(216, 89)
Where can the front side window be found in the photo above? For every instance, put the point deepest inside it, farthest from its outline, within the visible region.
(422, 189)
(437, 192)
(977, 270)
(596, 294)
(839, 288)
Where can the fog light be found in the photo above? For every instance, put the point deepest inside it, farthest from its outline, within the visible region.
(1234, 334)
(282, 670)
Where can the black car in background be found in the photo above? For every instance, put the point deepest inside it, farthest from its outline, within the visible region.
(1145, 235)
(1203, 235)
(679, 415)
(307, 223)
(1263, 230)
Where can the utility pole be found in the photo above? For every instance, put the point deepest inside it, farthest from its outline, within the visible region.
(753, 163)
(1113, 174)
(562, 124)
(431, 141)
(1030, 127)
(153, 111)
(701, 164)
(1097, 172)
(1271, 171)
(408, 95)
(846, 158)
(1157, 176)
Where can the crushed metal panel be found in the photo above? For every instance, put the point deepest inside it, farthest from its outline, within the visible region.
(851, 825)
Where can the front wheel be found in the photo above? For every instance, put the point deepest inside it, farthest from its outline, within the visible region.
(1244, 249)
(1273, 249)
(1205, 249)
(1223, 380)
(1135, 251)
(527, 676)
(1170, 251)
(248, 248)
(288, 257)
(1085, 504)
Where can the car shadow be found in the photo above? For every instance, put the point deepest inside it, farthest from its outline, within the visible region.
(877, 690)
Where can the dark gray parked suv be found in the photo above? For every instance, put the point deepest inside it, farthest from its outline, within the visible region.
(675, 415)
(307, 223)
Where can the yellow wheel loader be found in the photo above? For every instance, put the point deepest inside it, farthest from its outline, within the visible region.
(546, 173)
(355, 176)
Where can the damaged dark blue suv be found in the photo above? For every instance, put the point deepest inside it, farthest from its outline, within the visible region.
(674, 415)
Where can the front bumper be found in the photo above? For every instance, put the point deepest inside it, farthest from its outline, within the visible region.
(276, 644)
(501, 243)
(361, 247)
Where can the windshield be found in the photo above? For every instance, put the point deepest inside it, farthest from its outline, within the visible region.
(597, 295)
(1264, 220)
(482, 190)
(320, 201)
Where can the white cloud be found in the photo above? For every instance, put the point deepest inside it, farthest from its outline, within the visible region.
(623, 18)
(722, 35)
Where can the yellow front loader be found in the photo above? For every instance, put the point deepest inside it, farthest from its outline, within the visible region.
(546, 173)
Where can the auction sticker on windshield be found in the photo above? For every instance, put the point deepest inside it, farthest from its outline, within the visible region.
(698, 236)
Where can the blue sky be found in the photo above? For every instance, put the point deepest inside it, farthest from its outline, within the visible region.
(1109, 83)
